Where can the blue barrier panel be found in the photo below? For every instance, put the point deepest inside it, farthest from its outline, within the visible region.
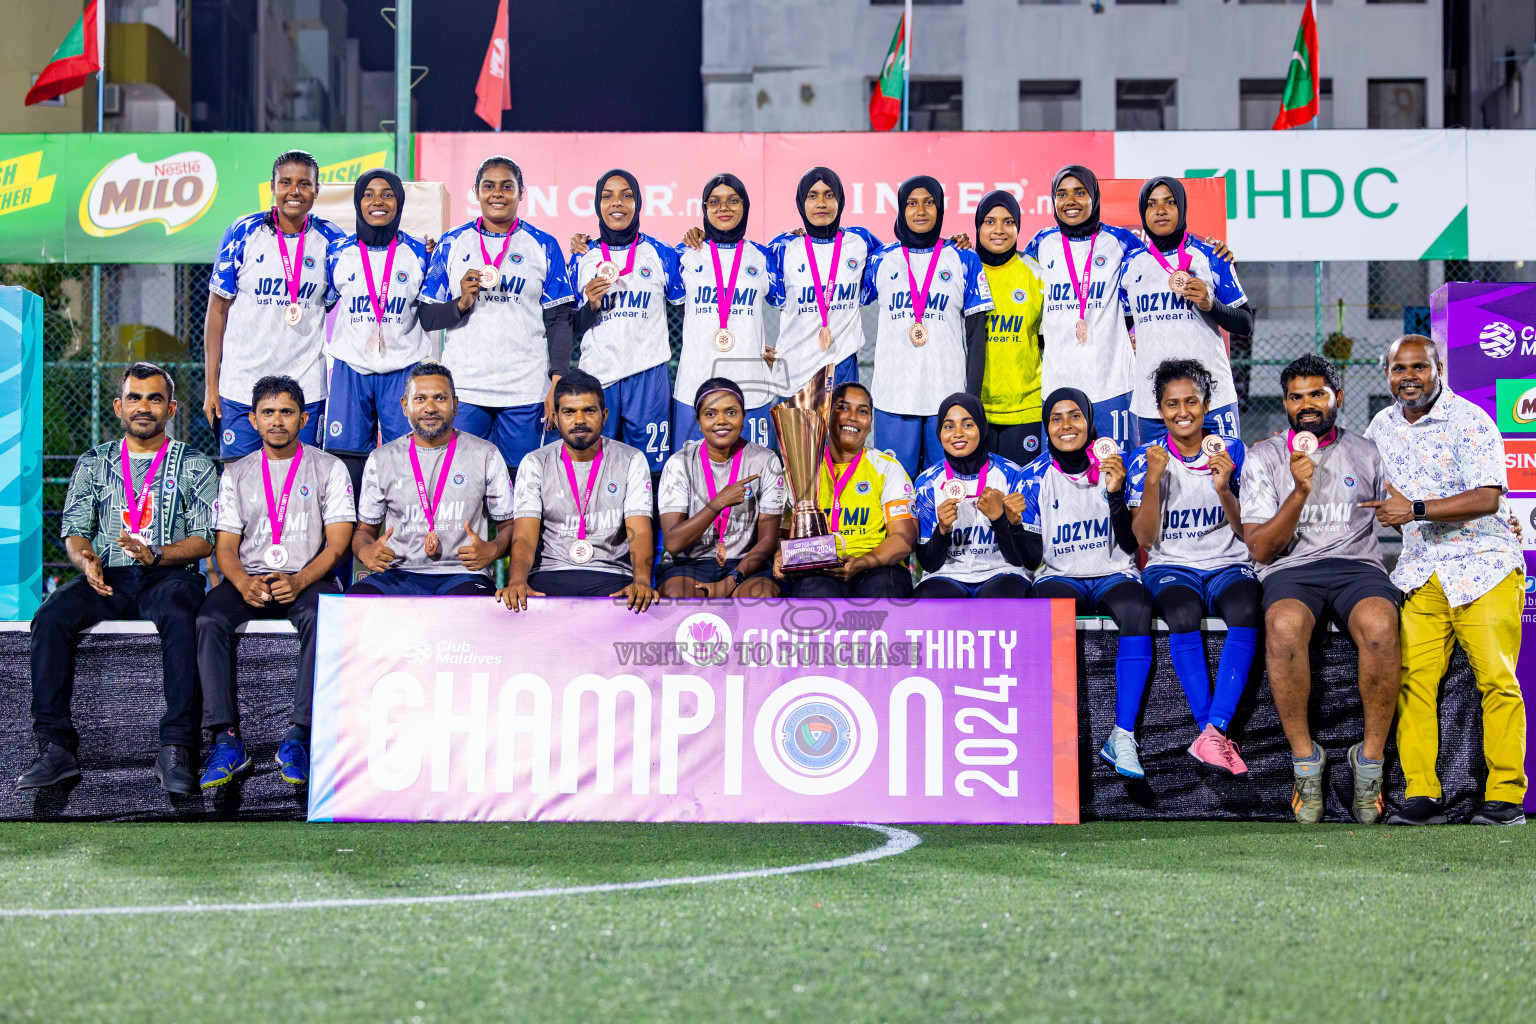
(21, 453)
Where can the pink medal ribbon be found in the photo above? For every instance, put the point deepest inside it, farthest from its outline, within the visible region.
(134, 514)
(723, 308)
(1184, 257)
(824, 295)
(429, 509)
(1202, 461)
(505, 242)
(583, 501)
(920, 298)
(839, 484)
(379, 297)
(277, 507)
(981, 477)
(723, 519)
(1092, 471)
(1081, 290)
(291, 279)
(629, 264)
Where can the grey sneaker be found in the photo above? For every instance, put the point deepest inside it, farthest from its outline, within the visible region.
(1366, 805)
(1307, 794)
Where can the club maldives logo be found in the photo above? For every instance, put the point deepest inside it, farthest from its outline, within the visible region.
(129, 193)
(704, 639)
(1497, 340)
(1516, 405)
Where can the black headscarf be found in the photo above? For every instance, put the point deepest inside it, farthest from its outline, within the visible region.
(367, 233)
(736, 234)
(966, 465)
(828, 177)
(1091, 182)
(905, 235)
(618, 238)
(1070, 462)
(989, 202)
(1164, 243)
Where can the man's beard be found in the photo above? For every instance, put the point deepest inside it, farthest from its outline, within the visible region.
(144, 429)
(1320, 429)
(1426, 399)
(432, 433)
(581, 442)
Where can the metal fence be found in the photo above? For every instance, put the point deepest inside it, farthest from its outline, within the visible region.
(99, 319)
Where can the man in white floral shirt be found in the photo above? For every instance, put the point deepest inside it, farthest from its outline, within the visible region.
(1464, 575)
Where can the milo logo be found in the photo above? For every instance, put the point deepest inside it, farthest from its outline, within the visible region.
(130, 192)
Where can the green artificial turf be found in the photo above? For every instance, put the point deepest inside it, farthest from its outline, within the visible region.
(1108, 922)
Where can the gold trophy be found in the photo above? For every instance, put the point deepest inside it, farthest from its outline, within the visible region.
(802, 423)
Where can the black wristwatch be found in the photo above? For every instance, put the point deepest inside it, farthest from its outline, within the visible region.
(736, 575)
(1420, 512)
(158, 552)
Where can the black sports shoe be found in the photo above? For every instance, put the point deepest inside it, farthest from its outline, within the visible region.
(173, 767)
(53, 764)
(1498, 812)
(1420, 810)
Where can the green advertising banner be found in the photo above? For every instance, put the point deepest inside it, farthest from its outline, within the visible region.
(150, 198)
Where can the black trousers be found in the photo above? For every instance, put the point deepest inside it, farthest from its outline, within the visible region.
(169, 598)
(881, 581)
(1019, 442)
(579, 582)
(223, 611)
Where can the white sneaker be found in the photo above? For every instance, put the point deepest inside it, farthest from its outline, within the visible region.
(1120, 750)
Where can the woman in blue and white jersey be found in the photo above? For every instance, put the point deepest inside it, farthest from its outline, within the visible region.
(1077, 527)
(965, 502)
(1185, 493)
(732, 345)
(822, 269)
(932, 335)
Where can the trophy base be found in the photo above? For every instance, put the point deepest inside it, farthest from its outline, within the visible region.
(802, 554)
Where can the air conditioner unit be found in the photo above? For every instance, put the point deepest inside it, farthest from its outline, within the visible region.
(112, 99)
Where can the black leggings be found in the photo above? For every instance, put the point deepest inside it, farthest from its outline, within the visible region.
(1127, 603)
(1239, 605)
(1005, 584)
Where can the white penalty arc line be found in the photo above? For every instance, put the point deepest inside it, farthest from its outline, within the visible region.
(897, 841)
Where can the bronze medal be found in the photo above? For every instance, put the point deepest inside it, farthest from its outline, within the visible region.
(275, 556)
(608, 271)
(490, 276)
(724, 340)
(1305, 442)
(1082, 331)
(824, 338)
(720, 552)
(581, 551)
(430, 544)
(1178, 281)
(293, 314)
(954, 489)
(919, 335)
(1105, 447)
(1212, 445)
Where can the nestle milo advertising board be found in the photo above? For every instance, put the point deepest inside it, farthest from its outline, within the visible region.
(150, 198)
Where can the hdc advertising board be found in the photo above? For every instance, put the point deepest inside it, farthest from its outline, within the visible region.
(577, 709)
(1487, 333)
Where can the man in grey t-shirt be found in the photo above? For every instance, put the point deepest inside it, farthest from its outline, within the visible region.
(283, 522)
(1317, 552)
(583, 509)
(434, 494)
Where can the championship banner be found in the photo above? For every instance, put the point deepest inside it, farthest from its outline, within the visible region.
(1487, 339)
(150, 198)
(456, 709)
(560, 173)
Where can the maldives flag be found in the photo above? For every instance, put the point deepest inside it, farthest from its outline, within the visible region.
(493, 93)
(885, 104)
(77, 58)
(1299, 104)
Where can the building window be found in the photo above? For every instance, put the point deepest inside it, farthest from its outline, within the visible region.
(1145, 104)
(935, 105)
(1391, 285)
(1052, 105)
(1259, 102)
(1395, 103)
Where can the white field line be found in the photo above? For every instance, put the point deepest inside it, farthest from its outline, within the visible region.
(897, 841)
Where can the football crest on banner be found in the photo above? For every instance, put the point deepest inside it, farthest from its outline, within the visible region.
(815, 735)
(704, 639)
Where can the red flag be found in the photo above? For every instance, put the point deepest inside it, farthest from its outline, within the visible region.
(1299, 104)
(77, 58)
(493, 93)
(885, 101)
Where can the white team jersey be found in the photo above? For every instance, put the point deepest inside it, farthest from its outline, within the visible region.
(1101, 366)
(1168, 327)
(631, 330)
(684, 490)
(321, 496)
(352, 337)
(257, 340)
(912, 380)
(499, 354)
(621, 491)
(797, 345)
(1195, 532)
(974, 556)
(1072, 517)
(757, 282)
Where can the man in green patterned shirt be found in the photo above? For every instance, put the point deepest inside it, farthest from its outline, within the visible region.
(137, 519)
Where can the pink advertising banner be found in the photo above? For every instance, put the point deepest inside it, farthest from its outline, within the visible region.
(455, 709)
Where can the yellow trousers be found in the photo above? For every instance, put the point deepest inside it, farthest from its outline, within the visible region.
(1488, 630)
